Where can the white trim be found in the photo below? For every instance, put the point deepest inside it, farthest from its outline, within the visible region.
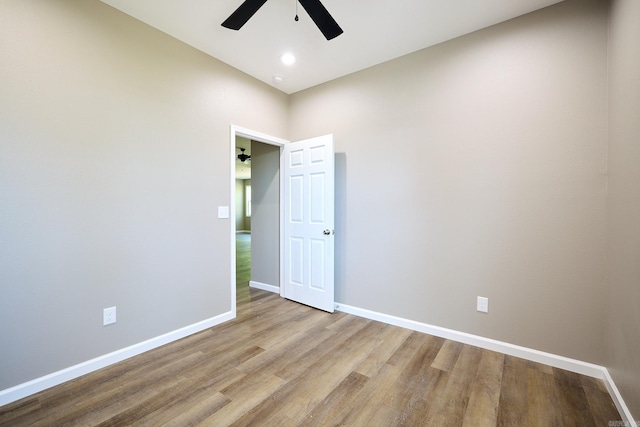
(256, 136)
(39, 384)
(573, 365)
(264, 287)
(267, 139)
(282, 208)
(232, 215)
(619, 401)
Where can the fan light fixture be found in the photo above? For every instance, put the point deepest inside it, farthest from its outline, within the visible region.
(318, 13)
(242, 156)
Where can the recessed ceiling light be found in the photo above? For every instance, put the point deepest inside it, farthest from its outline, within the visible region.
(277, 78)
(288, 59)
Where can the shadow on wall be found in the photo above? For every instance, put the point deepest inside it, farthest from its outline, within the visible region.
(340, 225)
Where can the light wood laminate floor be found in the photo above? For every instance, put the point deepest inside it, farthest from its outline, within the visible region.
(280, 363)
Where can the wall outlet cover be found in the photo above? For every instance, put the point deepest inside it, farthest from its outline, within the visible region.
(108, 316)
(483, 304)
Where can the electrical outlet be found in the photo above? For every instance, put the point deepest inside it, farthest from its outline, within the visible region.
(483, 305)
(108, 316)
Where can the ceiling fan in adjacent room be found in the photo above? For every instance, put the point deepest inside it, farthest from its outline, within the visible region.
(314, 8)
(242, 156)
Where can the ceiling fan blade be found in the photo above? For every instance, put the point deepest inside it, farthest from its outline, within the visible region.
(322, 18)
(243, 14)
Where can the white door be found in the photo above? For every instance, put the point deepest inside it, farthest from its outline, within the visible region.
(308, 222)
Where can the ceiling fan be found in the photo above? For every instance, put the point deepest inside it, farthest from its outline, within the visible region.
(242, 156)
(314, 8)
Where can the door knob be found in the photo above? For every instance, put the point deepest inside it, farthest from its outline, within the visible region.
(326, 232)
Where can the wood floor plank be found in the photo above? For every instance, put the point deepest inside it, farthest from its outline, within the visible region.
(448, 355)
(200, 400)
(513, 408)
(192, 412)
(332, 408)
(573, 402)
(601, 405)
(323, 371)
(390, 340)
(149, 408)
(373, 405)
(416, 412)
(482, 409)
(406, 352)
(308, 355)
(20, 409)
(244, 395)
(540, 367)
(396, 386)
(107, 396)
(415, 374)
(278, 356)
(102, 409)
(544, 409)
(451, 403)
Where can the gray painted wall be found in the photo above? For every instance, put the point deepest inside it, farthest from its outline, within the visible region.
(114, 155)
(265, 215)
(478, 168)
(623, 337)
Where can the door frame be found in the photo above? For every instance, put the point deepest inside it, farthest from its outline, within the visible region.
(235, 131)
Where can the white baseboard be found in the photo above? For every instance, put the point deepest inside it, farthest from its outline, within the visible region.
(264, 287)
(573, 365)
(619, 401)
(39, 384)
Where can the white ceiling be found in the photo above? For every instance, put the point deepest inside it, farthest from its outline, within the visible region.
(375, 31)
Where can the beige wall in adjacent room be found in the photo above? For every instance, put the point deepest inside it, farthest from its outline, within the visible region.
(478, 168)
(247, 219)
(240, 215)
(243, 222)
(114, 156)
(623, 333)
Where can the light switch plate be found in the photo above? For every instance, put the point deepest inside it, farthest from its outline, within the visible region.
(223, 212)
(483, 305)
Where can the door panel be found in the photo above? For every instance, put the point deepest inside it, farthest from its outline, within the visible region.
(308, 222)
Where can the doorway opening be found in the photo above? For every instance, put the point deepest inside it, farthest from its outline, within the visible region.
(242, 217)
(255, 208)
